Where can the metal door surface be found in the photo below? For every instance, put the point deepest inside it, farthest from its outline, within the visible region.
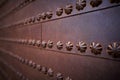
(59, 40)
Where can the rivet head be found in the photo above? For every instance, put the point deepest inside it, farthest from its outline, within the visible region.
(68, 78)
(16, 56)
(69, 46)
(33, 42)
(49, 14)
(19, 59)
(81, 46)
(95, 3)
(59, 45)
(30, 63)
(59, 76)
(38, 18)
(114, 49)
(59, 11)
(80, 4)
(39, 67)
(26, 22)
(68, 9)
(22, 41)
(38, 43)
(31, 20)
(26, 61)
(30, 41)
(22, 60)
(50, 44)
(50, 72)
(44, 44)
(43, 15)
(34, 65)
(114, 1)
(44, 70)
(25, 41)
(96, 48)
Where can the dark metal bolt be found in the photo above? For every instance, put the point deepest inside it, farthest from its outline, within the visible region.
(44, 44)
(59, 76)
(39, 67)
(44, 70)
(34, 65)
(59, 45)
(30, 63)
(68, 9)
(33, 42)
(50, 72)
(30, 41)
(22, 60)
(81, 46)
(69, 46)
(80, 4)
(59, 11)
(95, 3)
(43, 15)
(32, 20)
(50, 44)
(114, 49)
(96, 48)
(68, 78)
(114, 1)
(26, 61)
(38, 18)
(38, 43)
(49, 14)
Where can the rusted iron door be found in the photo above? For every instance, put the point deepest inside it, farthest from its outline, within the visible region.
(60, 40)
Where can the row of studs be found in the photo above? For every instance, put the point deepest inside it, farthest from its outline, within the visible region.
(44, 70)
(80, 5)
(113, 49)
(21, 5)
(19, 74)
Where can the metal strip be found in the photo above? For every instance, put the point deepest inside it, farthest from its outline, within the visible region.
(22, 23)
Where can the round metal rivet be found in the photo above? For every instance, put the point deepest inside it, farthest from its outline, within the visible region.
(96, 48)
(114, 49)
(69, 46)
(50, 44)
(50, 72)
(59, 76)
(59, 45)
(81, 46)
(68, 9)
(39, 67)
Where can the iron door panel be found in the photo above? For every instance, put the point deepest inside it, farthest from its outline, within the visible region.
(100, 27)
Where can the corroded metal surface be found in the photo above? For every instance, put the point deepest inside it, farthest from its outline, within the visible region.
(60, 40)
